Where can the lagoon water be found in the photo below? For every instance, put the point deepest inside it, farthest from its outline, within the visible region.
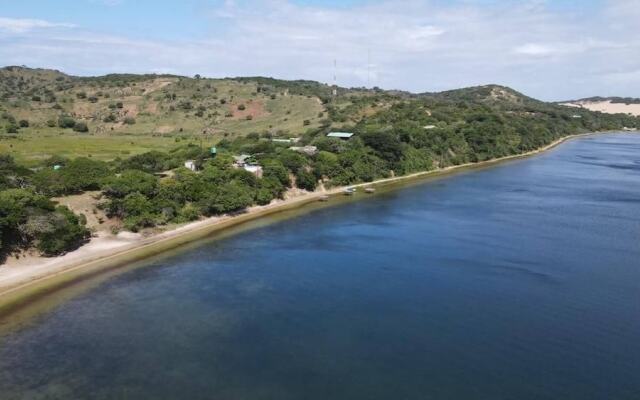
(520, 281)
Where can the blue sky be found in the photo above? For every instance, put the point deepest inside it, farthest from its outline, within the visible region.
(553, 49)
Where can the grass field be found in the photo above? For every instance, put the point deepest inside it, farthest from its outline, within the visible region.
(30, 149)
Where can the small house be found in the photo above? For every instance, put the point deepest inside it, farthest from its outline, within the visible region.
(57, 167)
(191, 165)
(340, 135)
(428, 127)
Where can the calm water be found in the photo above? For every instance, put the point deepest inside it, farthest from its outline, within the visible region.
(516, 282)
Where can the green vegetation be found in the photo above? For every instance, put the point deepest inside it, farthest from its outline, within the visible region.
(29, 219)
(129, 136)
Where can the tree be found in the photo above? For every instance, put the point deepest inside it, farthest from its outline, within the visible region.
(28, 218)
(226, 198)
(130, 181)
(23, 123)
(306, 180)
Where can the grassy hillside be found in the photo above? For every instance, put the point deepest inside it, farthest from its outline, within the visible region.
(130, 114)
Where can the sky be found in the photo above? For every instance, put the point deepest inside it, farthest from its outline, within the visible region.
(549, 49)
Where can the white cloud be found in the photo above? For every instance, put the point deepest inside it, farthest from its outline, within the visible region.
(19, 25)
(415, 45)
(533, 49)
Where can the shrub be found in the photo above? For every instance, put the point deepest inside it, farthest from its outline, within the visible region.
(51, 123)
(81, 95)
(81, 127)
(129, 121)
(66, 122)
(12, 128)
(119, 105)
(36, 98)
(23, 123)
(241, 107)
(93, 99)
(306, 122)
(109, 118)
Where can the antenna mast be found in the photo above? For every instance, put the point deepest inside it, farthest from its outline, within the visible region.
(368, 68)
(335, 77)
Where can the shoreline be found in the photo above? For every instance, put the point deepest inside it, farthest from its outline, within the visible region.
(28, 283)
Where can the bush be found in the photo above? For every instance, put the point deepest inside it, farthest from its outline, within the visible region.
(81, 127)
(109, 118)
(12, 128)
(23, 123)
(36, 98)
(66, 122)
(93, 99)
(129, 121)
(51, 123)
(119, 105)
(241, 107)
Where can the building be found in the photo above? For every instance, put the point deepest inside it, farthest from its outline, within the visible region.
(430, 127)
(340, 135)
(308, 150)
(190, 164)
(254, 169)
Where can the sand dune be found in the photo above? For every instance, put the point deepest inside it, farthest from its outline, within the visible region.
(607, 107)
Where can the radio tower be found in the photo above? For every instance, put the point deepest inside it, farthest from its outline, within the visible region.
(335, 77)
(368, 68)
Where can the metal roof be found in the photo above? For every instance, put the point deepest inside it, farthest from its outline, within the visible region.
(342, 135)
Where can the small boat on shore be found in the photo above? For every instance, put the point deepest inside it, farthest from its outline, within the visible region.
(349, 191)
(370, 190)
(323, 198)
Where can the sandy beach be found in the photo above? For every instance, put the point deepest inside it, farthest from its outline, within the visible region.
(26, 278)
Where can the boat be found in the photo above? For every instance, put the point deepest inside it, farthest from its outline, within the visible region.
(323, 198)
(349, 191)
(370, 190)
